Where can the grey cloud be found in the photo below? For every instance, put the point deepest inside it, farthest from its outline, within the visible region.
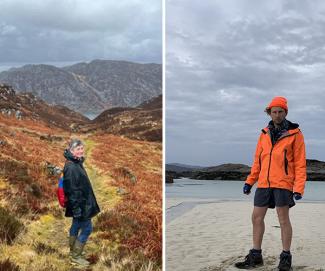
(221, 73)
(42, 31)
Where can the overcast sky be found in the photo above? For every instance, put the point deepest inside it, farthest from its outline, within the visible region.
(68, 31)
(226, 60)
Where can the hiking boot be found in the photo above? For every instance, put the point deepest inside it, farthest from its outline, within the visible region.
(252, 260)
(285, 262)
(72, 240)
(77, 258)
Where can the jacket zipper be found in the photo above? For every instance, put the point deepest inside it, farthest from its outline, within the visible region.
(285, 162)
(268, 171)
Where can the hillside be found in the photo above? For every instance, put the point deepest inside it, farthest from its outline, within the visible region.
(26, 106)
(177, 167)
(143, 122)
(89, 88)
(125, 174)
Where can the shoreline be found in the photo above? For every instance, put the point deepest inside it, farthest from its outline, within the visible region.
(212, 236)
(176, 207)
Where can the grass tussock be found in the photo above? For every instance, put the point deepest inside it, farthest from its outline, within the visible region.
(7, 265)
(42, 248)
(115, 257)
(10, 226)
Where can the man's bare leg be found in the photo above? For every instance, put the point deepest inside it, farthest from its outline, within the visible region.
(285, 224)
(258, 226)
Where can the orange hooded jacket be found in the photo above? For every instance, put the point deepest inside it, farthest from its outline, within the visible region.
(282, 165)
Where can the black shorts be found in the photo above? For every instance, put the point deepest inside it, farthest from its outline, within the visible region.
(271, 197)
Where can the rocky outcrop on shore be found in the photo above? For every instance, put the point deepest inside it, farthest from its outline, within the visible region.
(315, 172)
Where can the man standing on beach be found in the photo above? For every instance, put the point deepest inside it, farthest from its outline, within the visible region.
(280, 169)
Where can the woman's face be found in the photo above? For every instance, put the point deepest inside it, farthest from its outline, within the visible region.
(278, 115)
(78, 151)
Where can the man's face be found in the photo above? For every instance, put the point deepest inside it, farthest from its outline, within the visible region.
(78, 151)
(278, 115)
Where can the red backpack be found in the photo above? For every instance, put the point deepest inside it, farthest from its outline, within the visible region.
(60, 192)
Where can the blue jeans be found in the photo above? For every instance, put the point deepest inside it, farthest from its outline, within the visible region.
(84, 226)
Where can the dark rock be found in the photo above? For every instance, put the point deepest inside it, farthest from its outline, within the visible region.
(171, 175)
(18, 115)
(3, 142)
(52, 170)
(121, 191)
(51, 138)
(169, 179)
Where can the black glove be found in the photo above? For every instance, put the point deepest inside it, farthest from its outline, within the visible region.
(247, 189)
(76, 213)
(297, 196)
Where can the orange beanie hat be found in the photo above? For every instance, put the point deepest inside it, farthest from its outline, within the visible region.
(278, 102)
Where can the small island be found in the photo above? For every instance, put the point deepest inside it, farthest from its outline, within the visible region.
(233, 172)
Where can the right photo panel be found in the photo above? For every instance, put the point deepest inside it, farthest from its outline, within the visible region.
(245, 148)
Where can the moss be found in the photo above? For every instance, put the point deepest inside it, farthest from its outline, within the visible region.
(47, 219)
(3, 184)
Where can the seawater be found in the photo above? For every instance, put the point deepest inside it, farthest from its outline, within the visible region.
(207, 191)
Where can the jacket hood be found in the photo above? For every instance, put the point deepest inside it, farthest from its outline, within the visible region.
(69, 156)
(291, 126)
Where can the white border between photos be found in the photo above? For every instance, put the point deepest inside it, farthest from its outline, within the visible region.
(163, 135)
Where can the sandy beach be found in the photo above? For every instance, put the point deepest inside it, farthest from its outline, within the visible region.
(212, 236)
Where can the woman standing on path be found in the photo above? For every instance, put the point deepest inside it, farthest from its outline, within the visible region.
(280, 170)
(81, 204)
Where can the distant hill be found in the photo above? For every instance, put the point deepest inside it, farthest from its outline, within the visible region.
(177, 167)
(27, 106)
(143, 122)
(89, 88)
(228, 167)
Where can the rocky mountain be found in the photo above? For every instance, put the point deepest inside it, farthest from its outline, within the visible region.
(89, 88)
(315, 172)
(143, 122)
(26, 106)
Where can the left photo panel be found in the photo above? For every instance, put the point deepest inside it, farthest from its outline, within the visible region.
(81, 135)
